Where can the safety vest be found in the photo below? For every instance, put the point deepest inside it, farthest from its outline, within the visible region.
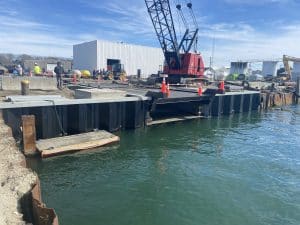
(37, 70)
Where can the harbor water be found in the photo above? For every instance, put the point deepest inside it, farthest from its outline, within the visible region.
(237, 170)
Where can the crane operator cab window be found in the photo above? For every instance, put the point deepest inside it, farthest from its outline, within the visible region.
(199, 65)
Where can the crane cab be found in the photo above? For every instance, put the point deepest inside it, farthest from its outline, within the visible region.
(191, 66)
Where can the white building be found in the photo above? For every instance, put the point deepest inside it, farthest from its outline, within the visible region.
(100, 54)
(269, 68)
(296, 71)
(239, 68)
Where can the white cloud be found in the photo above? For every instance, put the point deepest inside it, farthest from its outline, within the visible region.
(133, 20)
(253, 44)
(235, 41)
(254, 2)
(25, 36)
(11, 22)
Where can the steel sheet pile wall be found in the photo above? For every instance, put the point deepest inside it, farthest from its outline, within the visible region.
(53, 121)
(233, 104)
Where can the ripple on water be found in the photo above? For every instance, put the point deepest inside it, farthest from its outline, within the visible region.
(235, 170)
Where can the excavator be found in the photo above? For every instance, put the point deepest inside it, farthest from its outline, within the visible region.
(181, 57)
(286, 59)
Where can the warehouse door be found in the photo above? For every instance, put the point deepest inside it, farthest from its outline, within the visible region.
(111, 63)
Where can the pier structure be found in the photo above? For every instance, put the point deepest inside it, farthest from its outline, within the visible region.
(141, 106)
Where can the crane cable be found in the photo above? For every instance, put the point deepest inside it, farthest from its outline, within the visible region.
(190, 6)
(179, 10)
(178, 19)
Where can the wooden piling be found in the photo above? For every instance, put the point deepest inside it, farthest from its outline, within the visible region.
(29, 135)
(297, 91)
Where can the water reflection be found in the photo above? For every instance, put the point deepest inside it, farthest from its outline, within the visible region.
(240, 169)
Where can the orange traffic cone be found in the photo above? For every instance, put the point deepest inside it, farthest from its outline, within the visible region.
(164, 86)
(200, 91)
(168, 90)
(222, 86)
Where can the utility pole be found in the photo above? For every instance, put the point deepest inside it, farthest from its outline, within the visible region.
(213, 52)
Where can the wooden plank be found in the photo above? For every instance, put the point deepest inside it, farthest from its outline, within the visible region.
(29, 135)
(162, 121)
(74, 143)
(173, 120)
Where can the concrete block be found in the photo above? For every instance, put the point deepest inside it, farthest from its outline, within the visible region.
(13, 83)
(99, 93)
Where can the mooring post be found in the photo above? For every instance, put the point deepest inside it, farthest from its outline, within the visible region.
(29, 135)
(25, 87)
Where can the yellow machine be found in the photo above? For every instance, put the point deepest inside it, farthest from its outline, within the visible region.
(286, 59)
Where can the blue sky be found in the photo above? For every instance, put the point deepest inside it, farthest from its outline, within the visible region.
(243, 29)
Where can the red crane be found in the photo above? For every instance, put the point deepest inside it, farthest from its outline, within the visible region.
(180, 61)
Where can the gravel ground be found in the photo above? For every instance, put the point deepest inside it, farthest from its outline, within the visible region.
(15, 180)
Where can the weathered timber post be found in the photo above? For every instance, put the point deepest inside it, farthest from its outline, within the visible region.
(29, 135)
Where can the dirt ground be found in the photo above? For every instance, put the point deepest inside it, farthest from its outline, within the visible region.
(15, 180)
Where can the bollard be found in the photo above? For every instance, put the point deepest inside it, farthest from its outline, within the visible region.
(25, 87)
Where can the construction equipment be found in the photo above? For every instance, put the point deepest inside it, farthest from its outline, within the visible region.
(286, 59)
(116, 72)
(180, 62)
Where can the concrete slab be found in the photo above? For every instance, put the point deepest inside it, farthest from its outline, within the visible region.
(30, 98)
(96, 93)
(14, 105)
(9, 83)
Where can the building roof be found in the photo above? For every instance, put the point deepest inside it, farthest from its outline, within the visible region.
(118, 43)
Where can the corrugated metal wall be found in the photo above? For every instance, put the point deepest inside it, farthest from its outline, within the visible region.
(133, 57)
(93, 55)
(85, 56)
